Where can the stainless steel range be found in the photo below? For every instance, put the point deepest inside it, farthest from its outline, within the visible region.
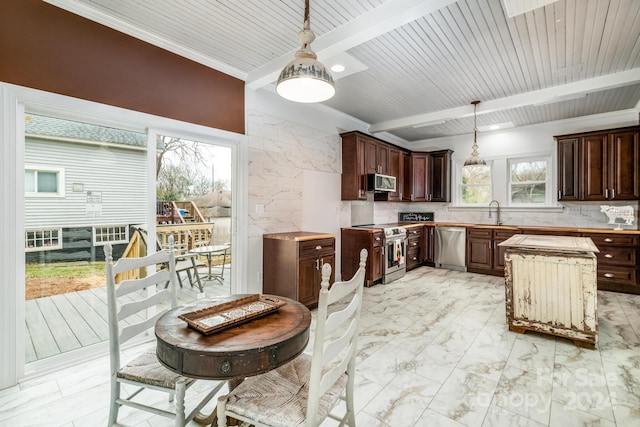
(395, 253)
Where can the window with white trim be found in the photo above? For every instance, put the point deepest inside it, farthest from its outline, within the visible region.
(529, 181)
(43, 239)
(113, 234)
(43, 181)
(475, 185)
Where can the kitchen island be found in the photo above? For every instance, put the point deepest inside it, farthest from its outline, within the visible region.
(551, 286)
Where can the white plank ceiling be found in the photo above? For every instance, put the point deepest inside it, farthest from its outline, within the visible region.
(424, 61)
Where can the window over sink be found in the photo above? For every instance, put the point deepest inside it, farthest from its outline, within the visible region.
(529, 181)
(475, 185)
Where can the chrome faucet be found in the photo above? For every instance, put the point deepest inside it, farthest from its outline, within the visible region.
(497, 211)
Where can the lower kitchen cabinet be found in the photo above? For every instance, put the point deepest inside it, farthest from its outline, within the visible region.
(292, 264)
(484, 256)
(414, 255)
(617, 261)
(352, 242)
(428, 244)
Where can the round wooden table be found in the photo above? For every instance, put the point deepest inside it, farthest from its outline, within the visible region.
(248, 349)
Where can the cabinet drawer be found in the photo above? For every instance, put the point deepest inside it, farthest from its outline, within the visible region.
(613, 240)
(313, 248)
(413, 257)
(413, 242)
(504, 234)
(413, 232)
(611, 255)
(627, 276)
(377, 239)
(480, 233)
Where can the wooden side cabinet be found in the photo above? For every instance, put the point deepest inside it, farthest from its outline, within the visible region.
(484, 255)
(292, 264)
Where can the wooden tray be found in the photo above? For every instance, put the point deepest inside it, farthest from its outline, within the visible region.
(225, 315)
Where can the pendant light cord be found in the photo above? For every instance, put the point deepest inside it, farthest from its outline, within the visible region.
(306, 11)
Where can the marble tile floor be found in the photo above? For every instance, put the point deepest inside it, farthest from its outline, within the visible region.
(434, 350)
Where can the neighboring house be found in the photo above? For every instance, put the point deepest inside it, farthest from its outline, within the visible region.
(84, 186)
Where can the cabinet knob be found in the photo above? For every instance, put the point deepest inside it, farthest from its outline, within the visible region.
(606, 193)
(608, 240)
(559, 194)
(414, 258)
(377, 238)
(414, 244)
(613, 193)
(609, 275)
(608, 256)
(318, 247)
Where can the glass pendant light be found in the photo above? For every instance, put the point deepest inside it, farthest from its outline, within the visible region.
(305, 79)
(475, 159)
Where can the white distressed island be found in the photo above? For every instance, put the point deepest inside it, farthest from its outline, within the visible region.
(551, 286)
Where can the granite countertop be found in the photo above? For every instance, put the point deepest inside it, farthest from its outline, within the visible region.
(299, 235)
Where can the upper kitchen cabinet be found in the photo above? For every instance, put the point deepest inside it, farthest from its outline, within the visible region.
(597, 166)
(354, 175)
(441, 176)
(427, 176)
(363, 154)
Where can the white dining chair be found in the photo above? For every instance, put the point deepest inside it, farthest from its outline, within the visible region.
(134, 306)
(306, 390)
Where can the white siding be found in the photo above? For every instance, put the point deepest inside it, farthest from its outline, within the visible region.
(119, 174)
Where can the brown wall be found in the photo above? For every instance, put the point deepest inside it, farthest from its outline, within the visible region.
(47, 48)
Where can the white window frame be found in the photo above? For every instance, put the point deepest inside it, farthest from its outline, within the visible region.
(60, 180)
(109, 234)
(41, 238)
(548, 181)
(458, 199)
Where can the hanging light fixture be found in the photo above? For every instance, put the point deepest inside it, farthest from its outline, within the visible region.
(475, 159)
(305, 79)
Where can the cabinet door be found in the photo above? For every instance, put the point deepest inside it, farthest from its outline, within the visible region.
(568, 169)
(354, 178)
(479, 248)
(595, 167)
(428, 243)
(421, 185)
(382, 158)
(441, 176)
(624, 170)
(396, 167)
(307, 273)
(500, 236)
(370, 156)
(377, 257)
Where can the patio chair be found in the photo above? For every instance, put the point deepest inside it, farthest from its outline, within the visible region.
(127, 305)
(304, 391)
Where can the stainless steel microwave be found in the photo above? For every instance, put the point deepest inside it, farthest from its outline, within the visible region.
(378, 182)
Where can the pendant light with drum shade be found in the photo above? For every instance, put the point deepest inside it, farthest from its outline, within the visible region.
(475, 159)
(305, 79)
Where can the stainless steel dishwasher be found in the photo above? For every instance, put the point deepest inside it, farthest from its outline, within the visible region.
(450, 248)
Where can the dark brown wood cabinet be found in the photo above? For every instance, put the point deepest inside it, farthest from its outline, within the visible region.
(598, 166)
(569, 172)
(617, 261)
(441, 176)
(363, 154)
(427, 176)
(484, 256)
(353, 240)
(420, 176)
(292, 264)
(414, 256)
(428, 244)
(417, 179)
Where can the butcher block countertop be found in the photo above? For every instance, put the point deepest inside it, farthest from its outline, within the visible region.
(522, 228)
(299, 236)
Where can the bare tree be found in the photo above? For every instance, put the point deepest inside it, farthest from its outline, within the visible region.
(186, 152)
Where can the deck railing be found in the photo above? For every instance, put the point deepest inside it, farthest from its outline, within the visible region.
(168, 212)
(185, 236)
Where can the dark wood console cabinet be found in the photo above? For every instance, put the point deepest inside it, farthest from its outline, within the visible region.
(599, 166)
(292, 264)
(484, 256)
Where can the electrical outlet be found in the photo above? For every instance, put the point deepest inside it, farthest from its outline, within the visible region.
(573, 209)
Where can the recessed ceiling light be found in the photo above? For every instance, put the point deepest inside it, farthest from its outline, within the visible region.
(338, 68)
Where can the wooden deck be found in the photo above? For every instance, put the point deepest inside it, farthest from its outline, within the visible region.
(62, 323)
